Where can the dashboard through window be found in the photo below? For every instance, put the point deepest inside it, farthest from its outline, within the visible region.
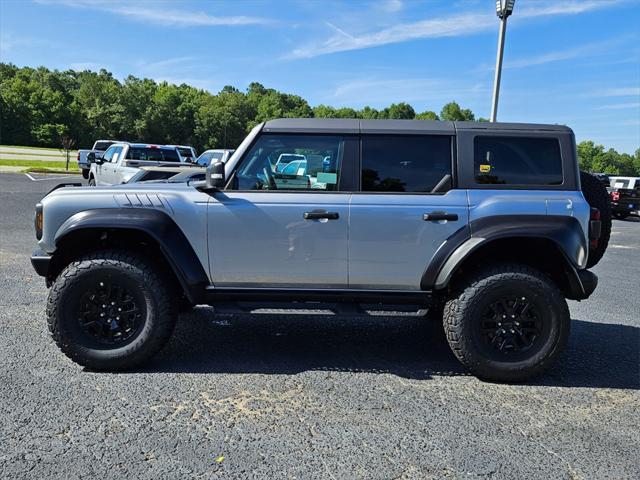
(291, 162)
(406, 163)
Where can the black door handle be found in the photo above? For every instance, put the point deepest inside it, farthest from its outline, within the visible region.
(435, 216)
(320, 215)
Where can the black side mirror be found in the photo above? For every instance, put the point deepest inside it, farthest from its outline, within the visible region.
(215, 177)
(91, 157)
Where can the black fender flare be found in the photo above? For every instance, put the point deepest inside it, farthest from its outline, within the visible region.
(173, 243)
(565, 232)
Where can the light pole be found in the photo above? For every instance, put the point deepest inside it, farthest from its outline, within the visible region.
(504, 8)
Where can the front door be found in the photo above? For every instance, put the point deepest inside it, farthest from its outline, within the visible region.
(404, 211)
(285, 230)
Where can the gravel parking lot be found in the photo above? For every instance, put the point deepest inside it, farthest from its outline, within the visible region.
(265, 396)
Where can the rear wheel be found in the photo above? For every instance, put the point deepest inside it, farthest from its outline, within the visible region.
(110, 311)
(596, 195)
(507, 323)
(85, 173)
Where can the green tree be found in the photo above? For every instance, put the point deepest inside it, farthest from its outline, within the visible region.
(427, 115)
(452, 112)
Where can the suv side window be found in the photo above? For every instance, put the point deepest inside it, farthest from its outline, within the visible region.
(315, 163)
(517, 160)
(404, 163)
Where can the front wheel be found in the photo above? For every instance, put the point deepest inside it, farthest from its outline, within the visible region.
(92, 181)
(110, 311)
(507, 323)
(620, 215)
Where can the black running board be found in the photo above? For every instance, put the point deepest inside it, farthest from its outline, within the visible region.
(214, 295)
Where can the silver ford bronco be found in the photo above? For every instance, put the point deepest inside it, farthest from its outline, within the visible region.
(487, 225)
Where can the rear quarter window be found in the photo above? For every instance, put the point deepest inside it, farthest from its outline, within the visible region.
(517, 161)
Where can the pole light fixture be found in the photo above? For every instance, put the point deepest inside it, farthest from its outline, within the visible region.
(504, 8)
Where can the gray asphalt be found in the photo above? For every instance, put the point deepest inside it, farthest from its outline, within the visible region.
(306, 397)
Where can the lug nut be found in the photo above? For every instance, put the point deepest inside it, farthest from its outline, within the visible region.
(499, 324)
(513, 331)
(101, 284)
(119, 309)
(102, 314)
(113, 303)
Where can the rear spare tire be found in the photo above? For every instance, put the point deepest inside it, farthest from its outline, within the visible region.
(596, 195)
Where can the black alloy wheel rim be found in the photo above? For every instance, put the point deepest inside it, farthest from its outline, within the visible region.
(110, 314)
(511, 326)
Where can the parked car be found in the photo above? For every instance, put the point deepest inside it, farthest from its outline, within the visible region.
(147, 174)
(285, 159)
(122, 161)
(98, 149)
(209, 156)
(187, 153)
(625, 196)
(483, 223)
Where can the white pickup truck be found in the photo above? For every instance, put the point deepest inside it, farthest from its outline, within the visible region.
(122, 161)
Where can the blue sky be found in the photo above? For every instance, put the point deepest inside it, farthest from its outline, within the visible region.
(570, 62)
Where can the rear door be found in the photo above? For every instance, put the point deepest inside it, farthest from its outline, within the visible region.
(397, 220)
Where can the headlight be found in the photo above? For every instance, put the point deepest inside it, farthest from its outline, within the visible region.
(39, 220)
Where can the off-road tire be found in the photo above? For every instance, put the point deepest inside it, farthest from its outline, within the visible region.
(156, 325)
(596, 195)
(463, 316)
(92, 181)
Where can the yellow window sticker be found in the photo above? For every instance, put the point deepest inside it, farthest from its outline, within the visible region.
(485, 168)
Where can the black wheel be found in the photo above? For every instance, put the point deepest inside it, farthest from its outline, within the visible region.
(596, 195)
(508, 323)
(110, 311)
(85, 173)
(620, 215)
(92, 181)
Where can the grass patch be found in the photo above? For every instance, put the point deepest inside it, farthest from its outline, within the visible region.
(32, 153)
(73, 166)
(31, 148)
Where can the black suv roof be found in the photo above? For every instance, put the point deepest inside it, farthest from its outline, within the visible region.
(348, 125)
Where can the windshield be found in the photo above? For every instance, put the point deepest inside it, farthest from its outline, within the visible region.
(148, 154)
(102, 146)
(186, 152)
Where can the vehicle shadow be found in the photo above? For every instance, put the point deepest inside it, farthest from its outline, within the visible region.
(599, 355)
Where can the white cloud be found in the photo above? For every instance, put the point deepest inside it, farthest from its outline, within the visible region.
(379, 92)
(156, 13)
(585, 50)
(451, 26)
(619, 106)
(619, 92)
(391, 6)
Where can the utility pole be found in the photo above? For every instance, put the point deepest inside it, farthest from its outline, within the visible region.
(504, 8)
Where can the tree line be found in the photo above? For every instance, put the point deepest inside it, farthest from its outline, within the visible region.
(39, 107)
